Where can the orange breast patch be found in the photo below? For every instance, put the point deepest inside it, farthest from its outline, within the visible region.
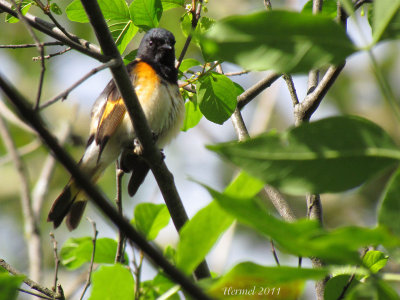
(146, 81)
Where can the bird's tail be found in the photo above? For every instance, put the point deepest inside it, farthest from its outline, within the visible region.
(70, 203)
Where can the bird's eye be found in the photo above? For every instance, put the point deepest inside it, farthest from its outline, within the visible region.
(150, 43)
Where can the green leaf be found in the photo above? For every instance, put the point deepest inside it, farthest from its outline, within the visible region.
(112, 282)
(329, 155)
(375, 260)
(251, 280)
(77, 251)
(335, 286)
(200, 233)
(55, 9)
(116, 10)
(150, 218)
(304, 237)
(372, 289)
(146, 14)
(123, 33)
(390, 206)
(26, 5)
(9, 285)
(188, 63)
(216, 95)
(386, 18)
(158, 286)
(297, 43)
(329, 8)
(168, 4)
(193, 115)
(130, 57)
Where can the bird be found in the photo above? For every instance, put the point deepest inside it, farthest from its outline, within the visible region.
(112, 136)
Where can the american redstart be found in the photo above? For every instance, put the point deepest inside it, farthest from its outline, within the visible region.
(154, 77)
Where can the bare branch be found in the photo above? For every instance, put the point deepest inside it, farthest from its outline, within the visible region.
(52, 54)
(119, 256)
(274, 253)
(21, 46)
(195, 11)
(46, 10)
(30, 282)
(39, 46)
(292, 90)
(237, 73)
(51, 30)
(34, 294)
(256, 89)
(41, 187)
(63, 95)
(56, 260)
(31, 227)
(305, 109)
(11, 117)
(24, 108)
(23, 150)
(89, 276)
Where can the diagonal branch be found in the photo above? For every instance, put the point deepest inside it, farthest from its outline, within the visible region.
(151, 154)
(256, 89)
(31, 283)
(195, 19)
(65, 93)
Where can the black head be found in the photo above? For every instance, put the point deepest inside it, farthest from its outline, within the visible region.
(157, 46)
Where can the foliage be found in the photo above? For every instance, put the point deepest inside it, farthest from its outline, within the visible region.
(329, 156)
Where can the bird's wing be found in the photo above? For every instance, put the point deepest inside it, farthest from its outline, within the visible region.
(111, 115)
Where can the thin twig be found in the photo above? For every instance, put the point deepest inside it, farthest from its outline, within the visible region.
(292, 90)
(274, 253)
(56, 260)
(351, 278)
(46, 10)
(34, 294)
(41, 187)
(237, 73)
(119, 257)
(54, 32)
(137, 271)
(52, 54)
(304, 110)
(21, 46)
(34, 285)
(63, 95)
(195, 11)
(11, 117)
(23, 150)
(256, 89)
(39, 46)
(89, 276)
(31, 227)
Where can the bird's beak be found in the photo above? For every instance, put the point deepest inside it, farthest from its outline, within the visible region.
(166, 47)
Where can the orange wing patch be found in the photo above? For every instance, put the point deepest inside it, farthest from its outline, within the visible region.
(111, 117)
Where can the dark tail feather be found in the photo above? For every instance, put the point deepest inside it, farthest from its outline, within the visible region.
(62, 204)
(139, 173)
(75, 214)
(131, 162)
